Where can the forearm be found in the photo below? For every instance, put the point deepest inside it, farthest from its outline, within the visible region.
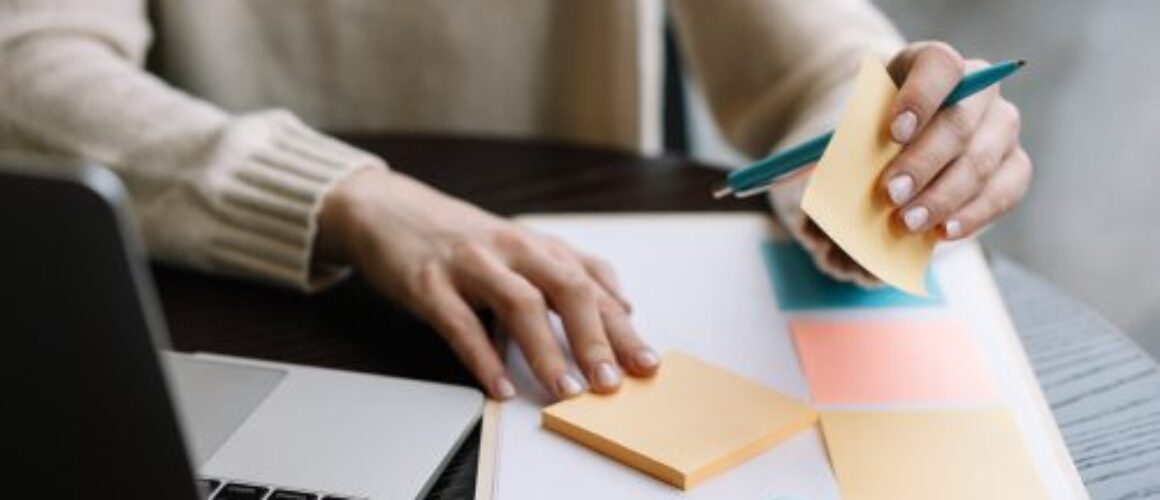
(769, 68)
(236, 195)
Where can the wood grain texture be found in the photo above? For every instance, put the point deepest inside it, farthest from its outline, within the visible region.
(1103, 390)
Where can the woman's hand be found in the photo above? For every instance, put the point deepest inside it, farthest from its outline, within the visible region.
(960, 168)
(442, 258)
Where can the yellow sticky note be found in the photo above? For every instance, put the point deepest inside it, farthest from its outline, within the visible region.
(923, 454)
(685, 424)
(844, 196)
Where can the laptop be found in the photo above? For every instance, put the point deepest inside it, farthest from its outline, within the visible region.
(96, 405)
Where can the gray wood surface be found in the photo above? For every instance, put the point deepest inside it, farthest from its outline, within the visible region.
(1102, 388)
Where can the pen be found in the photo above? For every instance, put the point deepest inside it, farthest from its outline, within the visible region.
(758, 177)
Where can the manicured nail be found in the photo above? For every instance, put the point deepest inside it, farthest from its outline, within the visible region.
(954, 228)
(903, 127)
(899, 188)
(646, 359)
(916, 217)
(606, 375)
(567, 386)
(504, 388)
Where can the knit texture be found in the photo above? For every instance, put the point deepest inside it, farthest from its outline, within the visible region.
(234, 194)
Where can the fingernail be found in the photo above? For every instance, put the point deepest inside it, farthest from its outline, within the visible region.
(504, 388)
(606, 375)
(567, 386)
(916, 217)
(899, 188)
(954, 228)
(903, 127)
(646, 359)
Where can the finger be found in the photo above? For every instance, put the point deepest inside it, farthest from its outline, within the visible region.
(812, 237)
(450, 315)
(603, 273)
(929, 71)
(944, 140)
(1002, 192)
(600, 270)
(831, 260)
(827, 257)
(573, 295)
(842, 267)
(522, 309)
(630, 350)
(996, 136)
(902, 182)
(854, 272)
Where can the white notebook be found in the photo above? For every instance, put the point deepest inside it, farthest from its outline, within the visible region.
(700, 283)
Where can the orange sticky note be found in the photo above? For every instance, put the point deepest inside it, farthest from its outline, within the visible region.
(892, 361)
(920, 455)
(685, 424)
(846, 200)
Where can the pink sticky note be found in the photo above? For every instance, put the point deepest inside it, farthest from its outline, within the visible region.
(868, 362)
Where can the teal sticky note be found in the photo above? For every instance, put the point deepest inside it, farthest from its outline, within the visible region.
(799, 285)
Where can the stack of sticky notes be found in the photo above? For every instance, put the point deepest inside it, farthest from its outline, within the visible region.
(688, 422)
(909, 408)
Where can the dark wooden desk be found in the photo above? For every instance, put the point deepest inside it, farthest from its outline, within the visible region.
(1108, 404)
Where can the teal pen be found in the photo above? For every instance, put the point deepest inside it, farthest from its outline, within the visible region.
(758, 177)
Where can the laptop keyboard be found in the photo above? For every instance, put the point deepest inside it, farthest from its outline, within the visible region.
(219, 489)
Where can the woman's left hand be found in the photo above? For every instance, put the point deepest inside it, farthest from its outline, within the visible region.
(961, 167)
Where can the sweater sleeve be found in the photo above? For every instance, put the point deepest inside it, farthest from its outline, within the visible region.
(237, 195)
(776, 72)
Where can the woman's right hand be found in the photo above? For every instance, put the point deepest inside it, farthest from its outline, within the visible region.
(442, 257)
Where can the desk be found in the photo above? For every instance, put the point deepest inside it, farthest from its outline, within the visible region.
(1104, 391)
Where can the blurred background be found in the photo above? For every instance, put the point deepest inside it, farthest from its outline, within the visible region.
(1090, 98)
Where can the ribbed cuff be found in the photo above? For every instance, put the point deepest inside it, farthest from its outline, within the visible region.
(270, 202)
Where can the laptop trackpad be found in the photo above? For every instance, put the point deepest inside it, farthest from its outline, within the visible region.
(214, 398)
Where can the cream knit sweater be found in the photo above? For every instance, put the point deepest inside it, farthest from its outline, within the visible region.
(224, 178)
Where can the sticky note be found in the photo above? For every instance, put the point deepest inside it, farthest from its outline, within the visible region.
(846, 200)
(685, 424)
(920, 455)
(891, 361)
(799, 285)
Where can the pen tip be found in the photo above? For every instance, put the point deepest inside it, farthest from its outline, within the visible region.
(721, 190)
(1021, 63)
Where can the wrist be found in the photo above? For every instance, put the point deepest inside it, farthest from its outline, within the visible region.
(344, 215)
